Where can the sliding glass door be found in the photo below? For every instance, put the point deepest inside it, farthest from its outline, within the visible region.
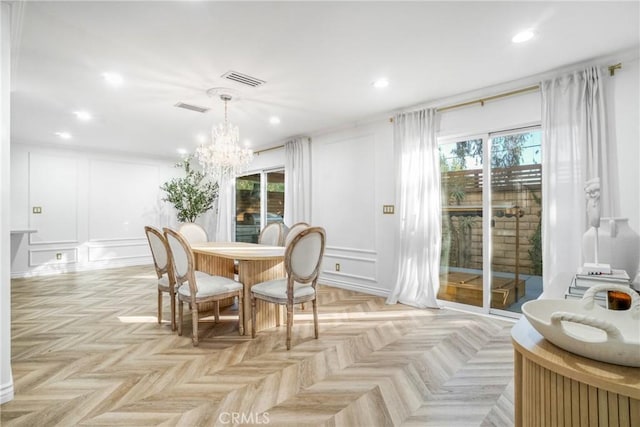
(248, 208)
(275, 196)
(491, 205)
(516, 241)
(259, 201)
(461, 165)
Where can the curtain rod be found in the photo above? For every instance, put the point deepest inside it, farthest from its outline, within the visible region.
(257, 153)
(481, 101)
(612, 69)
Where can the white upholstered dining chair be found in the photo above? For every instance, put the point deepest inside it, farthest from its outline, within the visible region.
(164, 270)
(293, 231)
(194, 233)
(196, 287)
(302, 260)
(272, 234)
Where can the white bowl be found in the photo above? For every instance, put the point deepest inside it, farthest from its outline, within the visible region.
(585, 328)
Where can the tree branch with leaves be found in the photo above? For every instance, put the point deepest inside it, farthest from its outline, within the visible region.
(191, 195)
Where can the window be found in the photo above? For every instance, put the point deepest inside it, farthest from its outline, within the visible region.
(498, 216)
(259, 200)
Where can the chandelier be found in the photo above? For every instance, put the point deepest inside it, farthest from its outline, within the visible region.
(223, 158)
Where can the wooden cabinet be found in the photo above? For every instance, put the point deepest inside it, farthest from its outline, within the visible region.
(554, 387)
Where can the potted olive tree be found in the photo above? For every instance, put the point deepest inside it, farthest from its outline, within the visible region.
(191, 195)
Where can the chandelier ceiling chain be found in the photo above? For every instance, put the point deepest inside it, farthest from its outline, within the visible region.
(223, 158)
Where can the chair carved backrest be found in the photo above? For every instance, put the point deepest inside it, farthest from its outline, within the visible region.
(183, 260)
(303, 257)
(293, 231)
(272, 235)
(193, 233)
(159, 252)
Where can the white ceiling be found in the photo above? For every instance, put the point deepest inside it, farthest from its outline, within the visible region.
(319, 60)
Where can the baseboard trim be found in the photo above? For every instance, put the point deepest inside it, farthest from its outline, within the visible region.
(365, 289)
(72, 268)
(6, 392)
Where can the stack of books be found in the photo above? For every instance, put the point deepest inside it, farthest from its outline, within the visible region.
(582, 281)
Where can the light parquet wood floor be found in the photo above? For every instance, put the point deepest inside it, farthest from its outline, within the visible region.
(86, 350)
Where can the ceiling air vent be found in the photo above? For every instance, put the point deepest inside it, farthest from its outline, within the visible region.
(192, 107)
(243, 79)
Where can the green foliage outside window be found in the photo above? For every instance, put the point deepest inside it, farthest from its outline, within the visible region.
(507, 151)
(535, 252)
(191, 195)
(247, 184)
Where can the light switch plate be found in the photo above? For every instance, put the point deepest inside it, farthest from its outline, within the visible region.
(388, 209)
(37, 210)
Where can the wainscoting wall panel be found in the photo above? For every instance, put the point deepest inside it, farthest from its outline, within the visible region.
(358, 263)
(352, 180)
(123, 198)
(346, 187)
(122, 251)
(52, 257)
(53, 188)
(94, 209)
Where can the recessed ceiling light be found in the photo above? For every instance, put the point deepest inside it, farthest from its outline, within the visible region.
(182, 151)
(82, 115)
(64, 135)
(274, 120)
(114, 79)
(523, 36)
(247, 143)
(201, 138)
(381, 83)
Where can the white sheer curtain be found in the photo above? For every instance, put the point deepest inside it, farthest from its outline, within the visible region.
(224, 218)
(297, 181)
(575, 150)
(417, 166)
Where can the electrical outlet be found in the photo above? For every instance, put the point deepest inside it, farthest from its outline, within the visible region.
(337, 267)
(37, 210)
(388, 209)
(58, 256)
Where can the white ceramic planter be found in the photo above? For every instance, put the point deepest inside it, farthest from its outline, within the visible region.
(585, 328)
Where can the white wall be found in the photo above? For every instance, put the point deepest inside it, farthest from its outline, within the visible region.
(502, 114)
(352, 178)
(271, 159)
(94, 209)
(623, 90)
(623, 109)
(6, 379)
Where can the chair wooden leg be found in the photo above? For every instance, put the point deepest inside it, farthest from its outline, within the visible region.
(159, 306)
(277, 315)
(253, 316)
(180, 311)
(216, 311)
(173, 311)
(240, 315)
(302, 306)
(315, 318)
(289, 324)
(194, 322)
